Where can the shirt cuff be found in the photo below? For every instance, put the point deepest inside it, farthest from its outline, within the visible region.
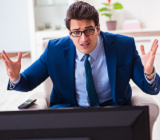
(17, 81)
(152, 81)
(13, 84)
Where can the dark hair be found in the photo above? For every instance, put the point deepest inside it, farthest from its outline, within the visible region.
(81, 10)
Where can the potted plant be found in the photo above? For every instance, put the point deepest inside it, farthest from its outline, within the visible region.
(108, 11)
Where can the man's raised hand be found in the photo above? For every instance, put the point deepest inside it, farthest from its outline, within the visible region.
(148, 58)
(13, 68)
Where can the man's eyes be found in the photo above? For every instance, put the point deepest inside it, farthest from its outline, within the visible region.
(89, 30)
(76, 32)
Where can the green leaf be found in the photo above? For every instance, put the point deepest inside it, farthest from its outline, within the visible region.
(103, 9)
(106, 4)
(117, 6)
(105, 14)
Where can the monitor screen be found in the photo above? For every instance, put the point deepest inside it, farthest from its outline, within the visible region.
(123, 123)
(57, 139)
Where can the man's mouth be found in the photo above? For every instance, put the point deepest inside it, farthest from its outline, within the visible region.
(85, 45)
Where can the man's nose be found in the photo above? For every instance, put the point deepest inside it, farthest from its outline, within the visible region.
(83, 37)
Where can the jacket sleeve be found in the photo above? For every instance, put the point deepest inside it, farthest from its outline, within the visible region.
(139, 78)
(34, 75)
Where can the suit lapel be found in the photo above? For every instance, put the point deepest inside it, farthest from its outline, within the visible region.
(111, 57)
(69, 60)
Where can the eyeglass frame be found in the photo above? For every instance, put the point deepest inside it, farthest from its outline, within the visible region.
(83, 32)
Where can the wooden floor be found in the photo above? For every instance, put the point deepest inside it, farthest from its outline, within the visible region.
(9, 100)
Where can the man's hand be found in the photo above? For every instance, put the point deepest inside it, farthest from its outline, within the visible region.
(13, 68)
(148, 58)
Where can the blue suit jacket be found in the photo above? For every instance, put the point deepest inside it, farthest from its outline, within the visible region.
(58, 62)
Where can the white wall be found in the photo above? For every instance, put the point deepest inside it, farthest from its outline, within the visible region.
(147, 11)
(54, 15)
(14, 26)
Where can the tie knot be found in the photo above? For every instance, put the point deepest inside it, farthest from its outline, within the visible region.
(87, 55)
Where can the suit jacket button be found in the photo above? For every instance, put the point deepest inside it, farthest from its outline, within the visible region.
(155, 89)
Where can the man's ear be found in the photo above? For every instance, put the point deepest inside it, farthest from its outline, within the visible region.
(98, 29)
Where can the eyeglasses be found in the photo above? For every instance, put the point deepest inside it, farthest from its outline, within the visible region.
(87, 32)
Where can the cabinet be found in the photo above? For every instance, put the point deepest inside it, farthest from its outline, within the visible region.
(50, 14)
(47, 22)
(143, 36)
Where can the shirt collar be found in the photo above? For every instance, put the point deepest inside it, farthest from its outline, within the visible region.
(93, 54)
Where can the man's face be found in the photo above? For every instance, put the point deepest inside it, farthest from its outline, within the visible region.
(84, 44)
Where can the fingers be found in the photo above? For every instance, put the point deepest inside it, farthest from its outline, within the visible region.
(152, 60)
(19, 56)
(154, 49)
(6, 64)
(5, 61)
(9, 72)
(6, 56)
(2, 57)
(142, 50)
(155, 42)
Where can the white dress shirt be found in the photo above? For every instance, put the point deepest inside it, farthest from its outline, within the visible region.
(98, 64)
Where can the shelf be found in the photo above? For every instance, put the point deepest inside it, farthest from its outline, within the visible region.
(53, 5)
(49, 3)
(137, 33)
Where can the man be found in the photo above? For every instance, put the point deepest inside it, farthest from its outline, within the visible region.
(89, 67)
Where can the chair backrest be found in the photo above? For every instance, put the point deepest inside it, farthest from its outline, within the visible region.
(48, 85)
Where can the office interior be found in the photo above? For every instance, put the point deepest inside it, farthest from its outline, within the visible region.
(25, 25)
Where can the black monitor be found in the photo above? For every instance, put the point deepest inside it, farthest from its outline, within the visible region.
(116, 123)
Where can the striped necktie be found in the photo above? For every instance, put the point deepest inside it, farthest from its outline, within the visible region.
(92, 94)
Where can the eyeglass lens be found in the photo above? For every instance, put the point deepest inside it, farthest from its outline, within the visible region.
(86, 32)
